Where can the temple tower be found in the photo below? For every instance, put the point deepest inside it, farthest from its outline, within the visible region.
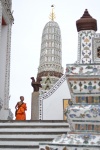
(50, 66)
(86, 27)
(83, 78)
(6, 20)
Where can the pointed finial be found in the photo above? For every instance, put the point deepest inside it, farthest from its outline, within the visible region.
(52, 15)
(86, 22)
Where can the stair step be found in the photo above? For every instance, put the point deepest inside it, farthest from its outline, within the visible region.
(26, 135)
(33, 133)
(20, 148)
(21, 124)
(33, 130)
(21, 143)
(32, 122)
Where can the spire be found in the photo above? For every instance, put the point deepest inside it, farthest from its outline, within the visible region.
(86, 22)
(52, 14)
(86, 14)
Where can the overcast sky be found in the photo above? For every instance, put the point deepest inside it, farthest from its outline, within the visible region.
(30, 17)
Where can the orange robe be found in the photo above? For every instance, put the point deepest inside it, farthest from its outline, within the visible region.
(20, 112)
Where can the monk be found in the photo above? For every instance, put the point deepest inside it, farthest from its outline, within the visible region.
(20, 109)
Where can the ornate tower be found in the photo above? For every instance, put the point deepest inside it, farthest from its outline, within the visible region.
(6, 20)
(50, 66)
(86, 27)
(83, 78)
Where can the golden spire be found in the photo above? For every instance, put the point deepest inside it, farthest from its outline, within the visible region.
(52, 14)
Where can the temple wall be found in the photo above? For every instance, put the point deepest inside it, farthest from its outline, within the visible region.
(53, 105)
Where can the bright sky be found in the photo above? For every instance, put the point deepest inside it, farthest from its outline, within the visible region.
(30, 18)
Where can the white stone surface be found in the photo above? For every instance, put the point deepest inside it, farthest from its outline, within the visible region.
(53, 105)
(5, 50)
(32, 136)
(25, 124)
(25, 130)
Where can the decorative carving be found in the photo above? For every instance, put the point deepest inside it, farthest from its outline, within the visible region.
(83, 112)
(51, 73)
(85, 46)
(98, 52)
(36, 84)
(51, 51)
(7, 14)
(96, 48)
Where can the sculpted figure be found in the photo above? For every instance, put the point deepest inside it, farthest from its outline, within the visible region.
(36, 84)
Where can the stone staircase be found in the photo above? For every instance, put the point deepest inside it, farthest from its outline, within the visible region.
(26, 135)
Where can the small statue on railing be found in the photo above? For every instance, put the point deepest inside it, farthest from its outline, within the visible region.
(36, 84)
